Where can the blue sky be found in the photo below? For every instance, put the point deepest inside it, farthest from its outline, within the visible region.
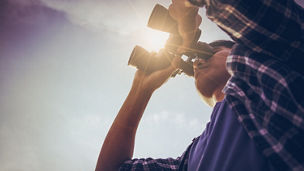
(64, 76)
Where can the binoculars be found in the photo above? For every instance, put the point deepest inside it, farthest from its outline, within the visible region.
(149, 62)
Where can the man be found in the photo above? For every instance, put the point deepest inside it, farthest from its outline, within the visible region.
(210, 78)
(266, 68)
(258, 121)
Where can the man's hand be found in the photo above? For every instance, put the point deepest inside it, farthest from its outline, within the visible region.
(148, 83)
(188, 21)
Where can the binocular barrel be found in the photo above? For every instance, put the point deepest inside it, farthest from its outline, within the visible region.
(150, 62)
(160, 19)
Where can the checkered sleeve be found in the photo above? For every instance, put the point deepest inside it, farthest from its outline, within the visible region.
(150, 164)
(261, 24)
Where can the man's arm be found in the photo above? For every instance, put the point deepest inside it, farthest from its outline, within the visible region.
(119, 143)
(274, 28)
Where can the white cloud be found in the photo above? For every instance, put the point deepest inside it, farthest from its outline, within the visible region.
(178, 120)
(160, 117)
(166, 133)
(122, 17)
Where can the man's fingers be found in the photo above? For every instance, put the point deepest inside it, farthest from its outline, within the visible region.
(176, 62)
(188, 21)
(164, 74)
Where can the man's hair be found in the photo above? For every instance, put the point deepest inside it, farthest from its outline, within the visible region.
(225, 43)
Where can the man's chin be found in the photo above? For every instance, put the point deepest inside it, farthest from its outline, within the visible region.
(207, 98)
(209, 101)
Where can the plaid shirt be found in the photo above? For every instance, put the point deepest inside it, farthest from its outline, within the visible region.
(267, 78)
(266, 87)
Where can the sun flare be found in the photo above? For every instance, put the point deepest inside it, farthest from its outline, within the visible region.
(153, 40)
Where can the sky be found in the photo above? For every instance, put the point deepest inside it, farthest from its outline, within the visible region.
(64, 76)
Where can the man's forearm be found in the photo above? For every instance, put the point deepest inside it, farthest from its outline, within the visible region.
(119, 143)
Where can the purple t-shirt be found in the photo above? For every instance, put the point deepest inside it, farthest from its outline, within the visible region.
(224, 145)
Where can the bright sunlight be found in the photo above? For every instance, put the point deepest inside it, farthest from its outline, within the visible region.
(153, 40)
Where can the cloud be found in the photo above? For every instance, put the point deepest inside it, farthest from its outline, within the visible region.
(29, 12)
(94, 15)
(118, 16)
(178, 120)
(166, 133)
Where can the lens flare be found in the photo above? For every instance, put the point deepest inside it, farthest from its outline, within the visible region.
(153, 40)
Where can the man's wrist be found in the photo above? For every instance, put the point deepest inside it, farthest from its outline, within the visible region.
(141, 92)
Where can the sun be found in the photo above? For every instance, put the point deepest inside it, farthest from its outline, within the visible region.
(153, 40)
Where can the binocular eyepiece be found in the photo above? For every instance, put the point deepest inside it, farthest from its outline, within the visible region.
(160, 19)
